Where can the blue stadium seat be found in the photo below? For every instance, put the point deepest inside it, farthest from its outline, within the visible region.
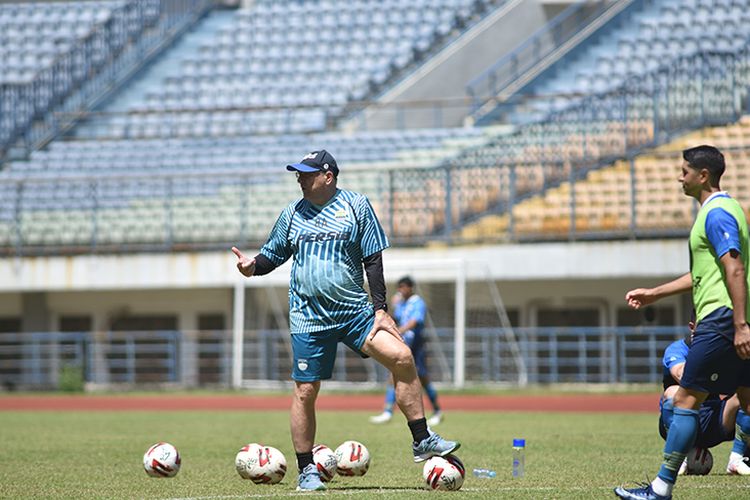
(263, 46)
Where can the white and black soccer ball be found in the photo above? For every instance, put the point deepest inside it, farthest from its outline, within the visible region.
(326, 461)
(162, 460)
(352, 459)
(260, 464)
(444, 473)
(699, 462)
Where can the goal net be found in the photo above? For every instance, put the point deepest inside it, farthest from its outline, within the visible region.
(470, 337)
(469, 333)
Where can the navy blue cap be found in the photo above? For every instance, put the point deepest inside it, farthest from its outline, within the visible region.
(317, 161)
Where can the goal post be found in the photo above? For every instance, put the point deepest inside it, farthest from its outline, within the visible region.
(476, 343)
(470, 338)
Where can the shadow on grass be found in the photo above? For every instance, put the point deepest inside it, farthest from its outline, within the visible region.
(375, 488)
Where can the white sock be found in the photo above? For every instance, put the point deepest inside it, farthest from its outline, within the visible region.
(661, 487)
(735, 457)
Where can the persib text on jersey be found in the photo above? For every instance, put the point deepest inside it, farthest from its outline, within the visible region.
(324, 236)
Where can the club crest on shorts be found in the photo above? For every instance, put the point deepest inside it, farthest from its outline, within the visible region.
(302, 364)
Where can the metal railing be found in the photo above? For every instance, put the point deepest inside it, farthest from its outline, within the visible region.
(170, 210)
(35, 111)
(25, 102)
(598, 130)
(539, 46)
(189, 359)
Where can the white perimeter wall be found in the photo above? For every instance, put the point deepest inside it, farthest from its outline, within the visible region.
(188, 285)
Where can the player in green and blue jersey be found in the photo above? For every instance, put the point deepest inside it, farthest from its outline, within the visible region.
(719, 358)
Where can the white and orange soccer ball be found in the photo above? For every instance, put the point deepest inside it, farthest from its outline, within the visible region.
(260, 464)
(352, 459)
(326, 461)
(444, 473)
(162, 460)
(699, 462)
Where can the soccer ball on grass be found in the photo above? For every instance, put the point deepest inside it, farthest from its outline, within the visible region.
(326, 461)
(352, 459)
(260, 464)
(699, 462)
(444, 473)
(162, 460)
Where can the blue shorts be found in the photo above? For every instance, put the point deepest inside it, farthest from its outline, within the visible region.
(315, 353)
(416, 344)
(711, 431)
(712, 364)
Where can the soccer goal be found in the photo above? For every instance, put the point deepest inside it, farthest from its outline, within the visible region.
(470, 337)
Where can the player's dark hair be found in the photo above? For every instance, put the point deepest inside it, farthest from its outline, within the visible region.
(407, 281)
(707, 157)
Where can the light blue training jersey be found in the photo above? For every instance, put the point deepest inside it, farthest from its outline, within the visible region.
(412, 309)
(674, 354)
(328, 244)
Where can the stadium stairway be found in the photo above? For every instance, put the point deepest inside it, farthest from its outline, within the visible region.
(441, 74)
(168, 63)
(643, 35)
(79, 82)
(243, 62)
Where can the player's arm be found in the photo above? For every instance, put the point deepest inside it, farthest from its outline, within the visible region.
(396, 299)
(255, 266)
(736, 282)
(374, 271)
(723, 234)
(409, 325)
(674, 359)
(640, 297)
(417, 315)
(676, 371)
(275, 252)
(372, 243)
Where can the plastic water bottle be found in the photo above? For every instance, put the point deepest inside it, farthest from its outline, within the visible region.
(519, 458)
(486, 473)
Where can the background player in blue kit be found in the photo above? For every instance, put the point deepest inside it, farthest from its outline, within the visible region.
(718, 415)
(718, 360)
(410, 312)
(334, 238)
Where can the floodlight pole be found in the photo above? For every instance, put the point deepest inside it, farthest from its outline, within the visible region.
(238, 333)
(459, 341)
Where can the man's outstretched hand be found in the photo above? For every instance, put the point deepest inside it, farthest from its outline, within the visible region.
(245, 265)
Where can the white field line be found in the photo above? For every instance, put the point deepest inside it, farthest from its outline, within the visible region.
(388, 491)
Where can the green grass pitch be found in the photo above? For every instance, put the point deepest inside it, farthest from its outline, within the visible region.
(98, 455)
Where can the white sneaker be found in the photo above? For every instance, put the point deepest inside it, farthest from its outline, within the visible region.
(383, 418)
(738, 468)
(683, 468)
(435, 419)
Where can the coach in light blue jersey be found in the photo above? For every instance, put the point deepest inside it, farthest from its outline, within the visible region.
(334, 239)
